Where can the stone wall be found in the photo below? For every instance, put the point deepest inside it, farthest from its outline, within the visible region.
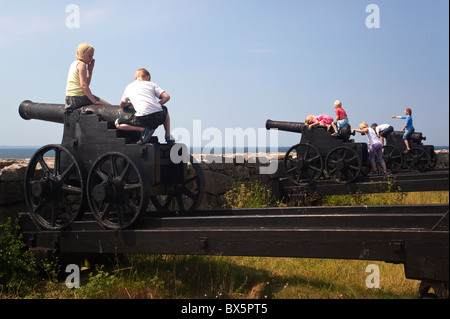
(219, 171)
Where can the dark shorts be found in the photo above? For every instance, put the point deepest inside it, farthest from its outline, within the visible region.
(384, 133)
(75, 102)
(152, 120)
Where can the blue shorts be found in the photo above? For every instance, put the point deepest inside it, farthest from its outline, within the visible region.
(341, 123)
(407, 134)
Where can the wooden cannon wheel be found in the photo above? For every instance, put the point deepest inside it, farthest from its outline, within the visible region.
(417, 159)
(440, 290)
(117, 190)
(54, 194)
(185, 196)
(433, 159)
(393, 157)
(303, 164)
(343, 164)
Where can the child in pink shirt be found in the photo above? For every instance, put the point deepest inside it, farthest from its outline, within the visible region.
(319, 120)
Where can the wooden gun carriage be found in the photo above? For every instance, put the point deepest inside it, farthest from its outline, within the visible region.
(103, 169)
(419, 158)
(321, 154)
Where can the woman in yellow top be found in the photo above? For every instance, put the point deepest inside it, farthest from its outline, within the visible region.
(78, 93)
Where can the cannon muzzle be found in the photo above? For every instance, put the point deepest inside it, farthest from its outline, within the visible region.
(45, 112)
(55, 112)
(296, 127)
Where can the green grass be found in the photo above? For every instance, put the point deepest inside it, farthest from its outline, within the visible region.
(220, 277)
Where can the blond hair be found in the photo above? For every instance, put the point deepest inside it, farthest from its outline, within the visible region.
(338, 103)
(309, 118)
(409, 111)
(363, 125)
(141, 73)
(82, 49)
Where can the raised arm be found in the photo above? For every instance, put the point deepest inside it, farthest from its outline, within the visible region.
(164, 98)
(84, 82)
(360, 131)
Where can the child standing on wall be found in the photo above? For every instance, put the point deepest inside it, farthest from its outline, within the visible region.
(375, 147)
(341, 118)
(408, 128)
(78, 93)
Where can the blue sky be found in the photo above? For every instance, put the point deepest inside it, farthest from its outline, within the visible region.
(234, 64)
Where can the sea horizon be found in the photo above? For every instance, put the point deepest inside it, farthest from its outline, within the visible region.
(23, 152)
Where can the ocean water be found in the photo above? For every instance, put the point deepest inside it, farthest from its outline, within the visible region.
(17, 151)
(28, 151)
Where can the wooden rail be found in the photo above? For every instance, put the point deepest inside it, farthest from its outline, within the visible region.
(415, 235)
(435, 180)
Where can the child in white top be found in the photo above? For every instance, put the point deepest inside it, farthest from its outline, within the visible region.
(376, 148)
(148, 100)
(382, 130)
(78, 93)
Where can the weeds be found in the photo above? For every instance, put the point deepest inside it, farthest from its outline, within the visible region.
(17, 265)
(250, 194)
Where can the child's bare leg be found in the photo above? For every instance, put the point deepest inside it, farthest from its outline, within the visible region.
(334, 127)
(407, 144)
(374, 167)
(126, 127)
(167, 125)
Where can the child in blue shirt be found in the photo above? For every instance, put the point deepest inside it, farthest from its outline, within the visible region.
(408, 128)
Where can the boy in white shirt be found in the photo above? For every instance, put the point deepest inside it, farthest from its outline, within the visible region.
(148, 100)
(382, 131)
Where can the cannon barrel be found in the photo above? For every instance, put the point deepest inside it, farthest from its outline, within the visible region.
(416, 137)
(296, 127)
(55, 112)
(46, 112)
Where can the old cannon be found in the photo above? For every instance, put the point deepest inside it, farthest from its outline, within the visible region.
(419, 158)
(101, 169)
(321, 155)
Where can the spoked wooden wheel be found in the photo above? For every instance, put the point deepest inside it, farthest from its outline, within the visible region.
(54, 188)
(393, 157)
(343, 164)
(433, 159)
(440, 290)
(303, 164)
(185, 196)
(417, 159)
(117, 190)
